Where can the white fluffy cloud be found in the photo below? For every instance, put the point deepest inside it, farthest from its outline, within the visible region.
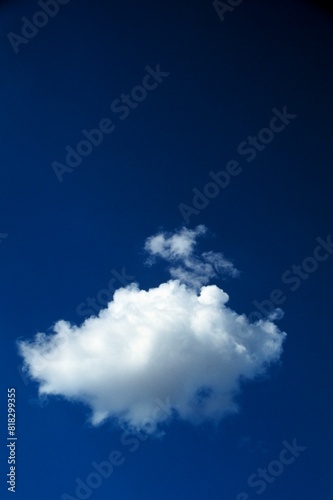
(174, 341)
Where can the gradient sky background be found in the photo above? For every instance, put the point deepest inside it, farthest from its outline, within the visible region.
(64, 239)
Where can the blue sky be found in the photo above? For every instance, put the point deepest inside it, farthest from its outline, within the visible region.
(219, 85)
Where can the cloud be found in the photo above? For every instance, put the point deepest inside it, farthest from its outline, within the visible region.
(174, 342)
(187, 265)
(173, 246)
(276, 315)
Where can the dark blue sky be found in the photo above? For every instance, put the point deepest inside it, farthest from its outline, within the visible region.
(65, 238)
